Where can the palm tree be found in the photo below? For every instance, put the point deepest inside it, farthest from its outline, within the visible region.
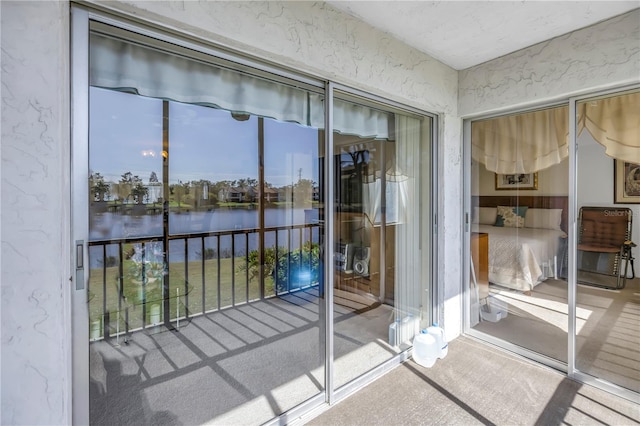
(99, 187)
(125, 186)
(139, 190)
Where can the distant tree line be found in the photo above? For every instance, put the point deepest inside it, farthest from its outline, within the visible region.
(132, 189)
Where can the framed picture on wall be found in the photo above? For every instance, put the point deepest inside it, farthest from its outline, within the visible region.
(517, 181)
(626, 182)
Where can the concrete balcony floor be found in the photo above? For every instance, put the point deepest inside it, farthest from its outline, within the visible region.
(479, 384)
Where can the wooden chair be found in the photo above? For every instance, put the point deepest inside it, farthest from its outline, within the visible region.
(604, 245)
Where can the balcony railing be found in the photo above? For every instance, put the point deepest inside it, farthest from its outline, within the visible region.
(143, 282)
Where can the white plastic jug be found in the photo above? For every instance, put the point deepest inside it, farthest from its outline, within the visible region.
(425, 349)
(438, 335)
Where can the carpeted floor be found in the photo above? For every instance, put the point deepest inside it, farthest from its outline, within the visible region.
(243, 365)
(478, 384)
(248, 364)
(607, 325)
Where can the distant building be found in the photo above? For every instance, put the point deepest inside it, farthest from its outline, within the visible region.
(232, 194)
(271, 195)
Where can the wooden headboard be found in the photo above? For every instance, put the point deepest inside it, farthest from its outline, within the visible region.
(535, 202)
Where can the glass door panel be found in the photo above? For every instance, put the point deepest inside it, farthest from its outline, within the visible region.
(608, 196)
(205, 291)
(378, 269)
(519, 208)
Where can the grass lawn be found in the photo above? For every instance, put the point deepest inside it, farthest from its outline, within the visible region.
(198, 281)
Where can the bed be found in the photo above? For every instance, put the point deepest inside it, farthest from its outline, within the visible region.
(525, 236)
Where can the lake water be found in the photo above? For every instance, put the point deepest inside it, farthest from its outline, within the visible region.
(112, 226)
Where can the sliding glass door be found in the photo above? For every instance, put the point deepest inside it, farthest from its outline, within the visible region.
(381, 269)
(222, 273)
(553, 233)
(518, 230)
(607, 230)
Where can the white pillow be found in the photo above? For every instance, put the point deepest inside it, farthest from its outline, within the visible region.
(543, 218)
(485, 215)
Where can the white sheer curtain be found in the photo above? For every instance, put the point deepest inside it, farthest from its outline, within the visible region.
(150, 71)
(404, 178)
(396, 195)
(522, 143)
(371, 201)
(614, 123)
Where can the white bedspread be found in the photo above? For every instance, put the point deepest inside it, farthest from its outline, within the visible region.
(521, 258)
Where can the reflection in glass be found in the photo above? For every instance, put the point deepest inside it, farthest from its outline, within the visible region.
(204, 182)
(125, 166)
(607, 338)
(125, 163)
(381, 253)
(519, 200)
(292, 198)
(205, 263)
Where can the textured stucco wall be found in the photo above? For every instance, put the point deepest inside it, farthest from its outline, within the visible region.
(314, 38)
(36, 342)
(602, 56)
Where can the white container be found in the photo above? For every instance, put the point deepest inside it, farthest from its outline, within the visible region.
(494, 310)
(408, 328)
(393, 333)
(441, 341)
(425, 349)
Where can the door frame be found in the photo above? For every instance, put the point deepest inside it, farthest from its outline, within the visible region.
(466, 243)
(79, 213)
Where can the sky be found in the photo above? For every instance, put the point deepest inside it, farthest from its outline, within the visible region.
(204, 143)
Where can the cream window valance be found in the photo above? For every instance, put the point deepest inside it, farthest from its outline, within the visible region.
(521, 143)
(530, 142)
(614, 123)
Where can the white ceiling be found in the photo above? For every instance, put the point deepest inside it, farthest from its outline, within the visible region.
(462, 34)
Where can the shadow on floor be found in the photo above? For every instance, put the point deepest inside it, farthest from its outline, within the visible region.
(244, 364)
(478, 384)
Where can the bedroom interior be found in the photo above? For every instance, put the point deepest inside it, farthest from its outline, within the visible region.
(521, 235)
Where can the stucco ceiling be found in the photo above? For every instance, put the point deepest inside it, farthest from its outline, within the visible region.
(462, 34)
